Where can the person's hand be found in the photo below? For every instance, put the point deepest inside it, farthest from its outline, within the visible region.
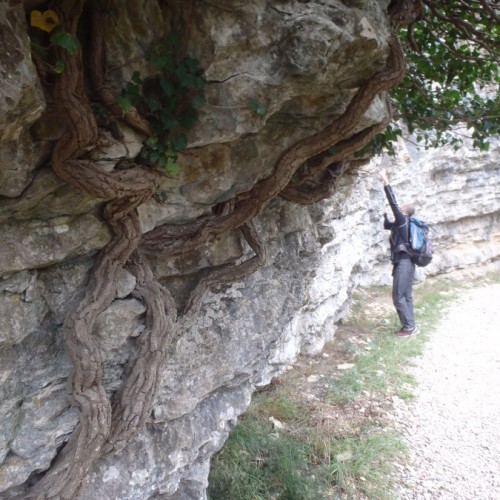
(383, 175)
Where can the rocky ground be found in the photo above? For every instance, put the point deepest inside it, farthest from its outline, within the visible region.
(452, 428)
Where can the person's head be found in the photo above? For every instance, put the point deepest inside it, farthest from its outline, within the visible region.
(408, 209)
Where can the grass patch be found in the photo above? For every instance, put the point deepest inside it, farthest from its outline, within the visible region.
(322, 432)
(300, 462)
(277, 406)
(259, 463)
(379, 371)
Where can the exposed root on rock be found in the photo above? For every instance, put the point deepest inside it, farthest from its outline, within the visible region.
(229, 273)
(135, 399)
(326, 169)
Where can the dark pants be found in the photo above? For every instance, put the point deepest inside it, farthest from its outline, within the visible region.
(403, 274)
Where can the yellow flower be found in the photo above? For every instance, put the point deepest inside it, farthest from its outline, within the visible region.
(46, 21)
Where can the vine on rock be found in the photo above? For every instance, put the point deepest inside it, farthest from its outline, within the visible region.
(105, 428)
(168, 101)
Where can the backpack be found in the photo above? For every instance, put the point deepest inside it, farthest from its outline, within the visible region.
(420, 244)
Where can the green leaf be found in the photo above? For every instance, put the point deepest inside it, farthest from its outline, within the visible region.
(136, 78)
(168, 120)
(65, 40)
(153, 104)
(179, 142)
(191, 64)
(186, 79)
(199, 82)
(157, 125)
(133, 92)
(154, 156)
(172, 42)
(59, 67)
(160, 61)
(172, 167)
(167, 86)
(188, 118)
(198, 100)
(124, 103)
(152, 142)
(170, 152)
(256, 107)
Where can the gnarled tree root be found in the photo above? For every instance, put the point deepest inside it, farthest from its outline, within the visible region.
(135, 399)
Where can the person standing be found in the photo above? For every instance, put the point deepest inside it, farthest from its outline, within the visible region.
(403, 270)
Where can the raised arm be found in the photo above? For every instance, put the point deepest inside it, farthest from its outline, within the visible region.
(399, 216)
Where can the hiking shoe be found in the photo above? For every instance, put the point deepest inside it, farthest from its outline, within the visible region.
(408, 333)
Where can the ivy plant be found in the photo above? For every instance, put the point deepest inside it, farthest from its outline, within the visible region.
(46, 34)
(169, 100)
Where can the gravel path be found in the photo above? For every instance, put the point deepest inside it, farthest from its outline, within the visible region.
(453, 427)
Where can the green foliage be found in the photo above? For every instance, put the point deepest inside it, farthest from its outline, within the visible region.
(382, 142)
(452, 79)
(45, 34)
(258, 462)
(257, 107)
(161, 153)
(168, 100)
(65, 40)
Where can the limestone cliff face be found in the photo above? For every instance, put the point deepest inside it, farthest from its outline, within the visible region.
(303, 60)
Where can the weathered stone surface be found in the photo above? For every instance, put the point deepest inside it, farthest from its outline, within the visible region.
(126, 284)
(43, 243)
(18, 160)
(22, 307)
(216, 253)
(269, 51)
(171, 458)
(21, 101)
(63, 284)
(35, 412)
(45, 420)
(45, 198)
(263, 51)
(113, 330)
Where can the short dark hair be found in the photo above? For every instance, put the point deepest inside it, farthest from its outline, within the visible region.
(410, 209)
